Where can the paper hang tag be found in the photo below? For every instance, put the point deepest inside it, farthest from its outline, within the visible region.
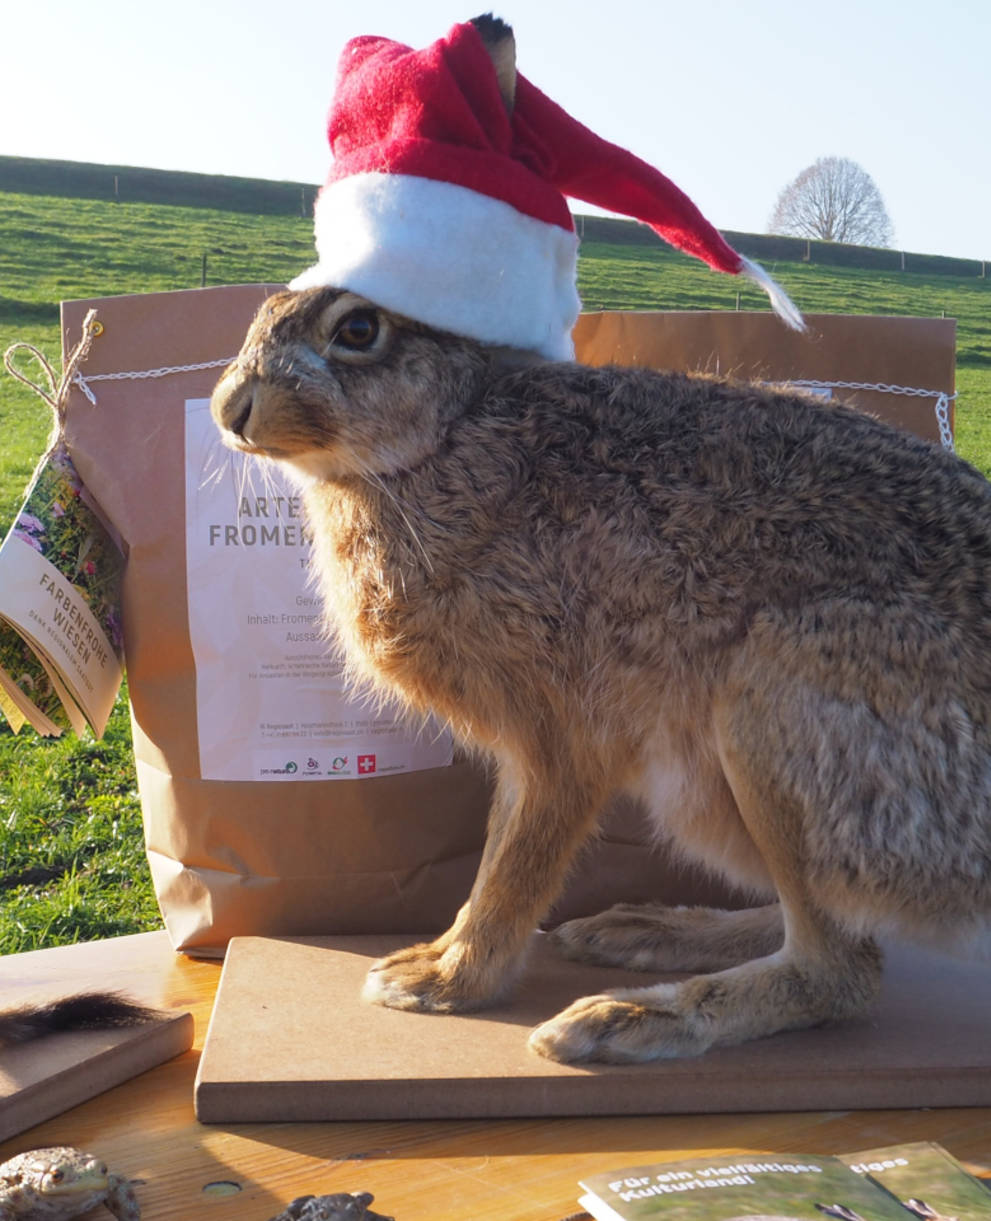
(61, 642)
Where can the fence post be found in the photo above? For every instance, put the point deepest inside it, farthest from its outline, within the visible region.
(203, 275)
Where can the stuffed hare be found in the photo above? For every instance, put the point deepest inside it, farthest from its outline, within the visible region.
(765, 616)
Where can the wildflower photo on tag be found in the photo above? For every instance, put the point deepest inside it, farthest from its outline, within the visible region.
(61, 647)
(58, 520)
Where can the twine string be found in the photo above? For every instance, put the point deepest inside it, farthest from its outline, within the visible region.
(56, 392)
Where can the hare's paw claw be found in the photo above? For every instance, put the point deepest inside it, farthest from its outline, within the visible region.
(408, 979)
(617, 1030)
(591, 939)
(428, 978)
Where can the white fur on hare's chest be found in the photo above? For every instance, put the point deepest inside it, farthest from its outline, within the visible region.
(350, 618)
(363, 594)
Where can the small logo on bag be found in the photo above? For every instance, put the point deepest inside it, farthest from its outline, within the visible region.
(311, 764)
(288, 770)
(340, 763)
(366, 764)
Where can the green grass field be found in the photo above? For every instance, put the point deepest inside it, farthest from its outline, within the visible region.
(71, 857)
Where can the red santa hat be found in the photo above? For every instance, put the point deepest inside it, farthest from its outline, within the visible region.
(446, 206)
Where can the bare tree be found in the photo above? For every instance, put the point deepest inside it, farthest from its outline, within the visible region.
(834, 200)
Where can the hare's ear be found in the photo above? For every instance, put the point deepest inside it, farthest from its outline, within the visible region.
(501, 46)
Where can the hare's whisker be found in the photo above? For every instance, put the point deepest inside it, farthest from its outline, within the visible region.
(377, 481)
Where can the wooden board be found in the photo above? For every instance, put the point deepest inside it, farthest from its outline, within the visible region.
(516, 1169)
(52, 1074)
(290, 1039)
(45, 1078)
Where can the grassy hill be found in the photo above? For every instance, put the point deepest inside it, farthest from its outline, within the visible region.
(54, 248)
(136, 184)
(71, 859)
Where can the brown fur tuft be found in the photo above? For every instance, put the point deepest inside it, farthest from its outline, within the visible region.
(84, 1011)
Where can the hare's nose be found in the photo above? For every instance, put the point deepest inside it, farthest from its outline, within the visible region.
(240, 421)
(232, 406)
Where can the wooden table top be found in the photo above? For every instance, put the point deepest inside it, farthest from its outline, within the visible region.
(480, 1170)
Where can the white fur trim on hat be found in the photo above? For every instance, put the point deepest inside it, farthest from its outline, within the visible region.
(449, 257)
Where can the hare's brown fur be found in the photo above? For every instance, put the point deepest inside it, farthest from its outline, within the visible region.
(765, 616)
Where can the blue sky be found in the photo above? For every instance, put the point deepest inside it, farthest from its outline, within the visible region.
(731, 100)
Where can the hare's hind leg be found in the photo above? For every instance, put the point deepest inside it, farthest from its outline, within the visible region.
(686, 795)
(782, 992)
(536, 827)
(652, 937)
(821, 972)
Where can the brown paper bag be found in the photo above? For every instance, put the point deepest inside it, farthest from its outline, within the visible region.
(899, 369)
(291, 851)
(397, 851)
(299, 853)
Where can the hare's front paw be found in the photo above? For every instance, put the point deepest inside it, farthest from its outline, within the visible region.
(616, 1030)
(433, 977)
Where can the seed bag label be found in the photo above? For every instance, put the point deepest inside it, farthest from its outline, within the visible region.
(270, 695)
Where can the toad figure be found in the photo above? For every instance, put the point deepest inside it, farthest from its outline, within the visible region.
(60, 1184)
(339, 1207)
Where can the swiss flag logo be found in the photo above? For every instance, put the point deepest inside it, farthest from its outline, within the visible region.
(366, 765)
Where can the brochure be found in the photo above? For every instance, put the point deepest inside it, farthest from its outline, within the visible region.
(921, 1180)
(930, 1182)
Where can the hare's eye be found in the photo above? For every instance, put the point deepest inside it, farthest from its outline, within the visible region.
(357, 331)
